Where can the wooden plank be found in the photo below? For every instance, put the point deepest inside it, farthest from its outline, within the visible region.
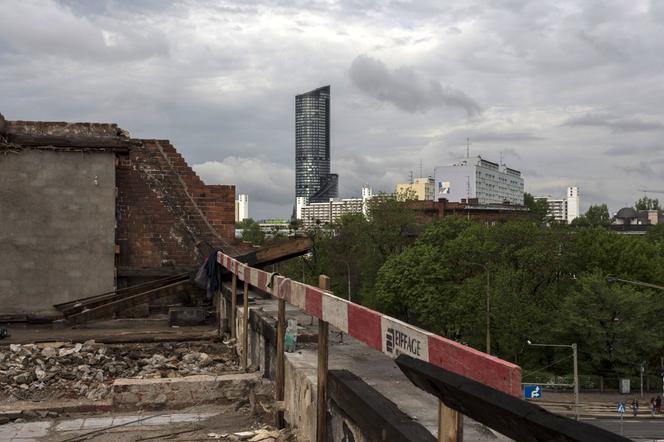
(509, 415)
(245, 326)
(113, 307)
(234, 307)
(276, 253)
(280, 380)
(378, 418)
(450, 424)
(118, 296)
(323, 348)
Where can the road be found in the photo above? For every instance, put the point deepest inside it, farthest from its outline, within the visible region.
(636, 429)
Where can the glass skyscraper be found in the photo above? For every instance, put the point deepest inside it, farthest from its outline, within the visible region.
(313, 179)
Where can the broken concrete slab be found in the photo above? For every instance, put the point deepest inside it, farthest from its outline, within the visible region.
(180, 316)
(155, 393)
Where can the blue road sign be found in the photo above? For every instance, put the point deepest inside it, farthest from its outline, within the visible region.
(621, 407)
(532, 391)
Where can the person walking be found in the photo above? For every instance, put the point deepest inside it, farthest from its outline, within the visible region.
(635, 407)
(658, 404)
(652, 406)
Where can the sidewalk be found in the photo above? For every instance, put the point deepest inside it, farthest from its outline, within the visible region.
(595, 404)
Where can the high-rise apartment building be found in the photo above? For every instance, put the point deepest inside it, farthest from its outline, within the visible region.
(313, 180)
(241, 207)
(475, 177)
(573, 204)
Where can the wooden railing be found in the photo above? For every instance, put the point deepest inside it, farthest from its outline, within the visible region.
(380, 332)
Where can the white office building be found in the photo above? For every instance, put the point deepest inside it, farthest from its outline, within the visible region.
(242, 208)
(321, 214)
(477, 178)
(564, 210)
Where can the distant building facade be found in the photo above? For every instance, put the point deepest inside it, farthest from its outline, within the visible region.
(631, 221)
(564, 210)
(241, 207)
(429, 211)
(320, 214)
(313, 180)
(422, 189)
(477, 178)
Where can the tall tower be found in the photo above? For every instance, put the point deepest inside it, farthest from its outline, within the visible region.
(313, 180)
(573, 204)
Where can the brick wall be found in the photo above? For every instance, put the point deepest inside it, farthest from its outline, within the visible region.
(167, 216)
(61, 128)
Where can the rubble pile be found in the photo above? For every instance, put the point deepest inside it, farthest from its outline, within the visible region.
(67, 370)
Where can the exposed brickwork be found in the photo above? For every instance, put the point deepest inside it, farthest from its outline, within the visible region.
(166, 214)
(61, 128)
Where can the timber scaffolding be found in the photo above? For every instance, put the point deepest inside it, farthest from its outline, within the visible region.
(107, 304)
(465, 381)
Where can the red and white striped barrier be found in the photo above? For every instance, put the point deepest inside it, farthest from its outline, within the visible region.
(381, 332)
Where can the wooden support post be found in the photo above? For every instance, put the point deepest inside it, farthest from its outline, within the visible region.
(220, 313)
(245, 326)
(281, 368)
(450, 424)
(323, 335)
(234, 307)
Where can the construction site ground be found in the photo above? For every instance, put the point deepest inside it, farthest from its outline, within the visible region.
(129, 380)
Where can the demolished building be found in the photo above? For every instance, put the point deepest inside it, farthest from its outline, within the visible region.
(86, 209)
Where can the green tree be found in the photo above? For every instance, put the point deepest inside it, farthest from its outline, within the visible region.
(616, 325)
(598, 215)
(251, 231)
(646, 203)
(538, 207)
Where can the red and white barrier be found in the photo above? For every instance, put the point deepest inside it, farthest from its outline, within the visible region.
(384, 333)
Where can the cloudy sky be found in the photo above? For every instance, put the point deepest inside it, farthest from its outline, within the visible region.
(570, 92)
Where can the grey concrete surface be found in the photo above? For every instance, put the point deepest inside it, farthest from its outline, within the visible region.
(57, 228)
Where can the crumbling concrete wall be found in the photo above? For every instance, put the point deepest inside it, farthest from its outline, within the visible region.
(57, 228)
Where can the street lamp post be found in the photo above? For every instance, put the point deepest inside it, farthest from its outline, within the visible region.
(576, 370)
(488, 304)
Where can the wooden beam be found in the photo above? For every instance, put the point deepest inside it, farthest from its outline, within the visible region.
(321, 396)
(79, 142)
(450, 424)
(110, 308)
(234, 307)
(512, 416)
(280, 380)
(87, 303)
(378, 418)
(278, 252)
(245, 326)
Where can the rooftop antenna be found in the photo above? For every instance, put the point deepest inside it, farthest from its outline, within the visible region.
(420, 167)
(501, 158)
(467, 147)
(410, 177)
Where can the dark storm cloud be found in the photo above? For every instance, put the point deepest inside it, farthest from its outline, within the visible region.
(617, 124)
(405, 88)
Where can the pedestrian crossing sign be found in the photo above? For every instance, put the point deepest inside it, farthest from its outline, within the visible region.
(621, 407)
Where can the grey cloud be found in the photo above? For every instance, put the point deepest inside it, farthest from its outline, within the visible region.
(641, 169)
(615, 123)
(405, 88)
(632, 149)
